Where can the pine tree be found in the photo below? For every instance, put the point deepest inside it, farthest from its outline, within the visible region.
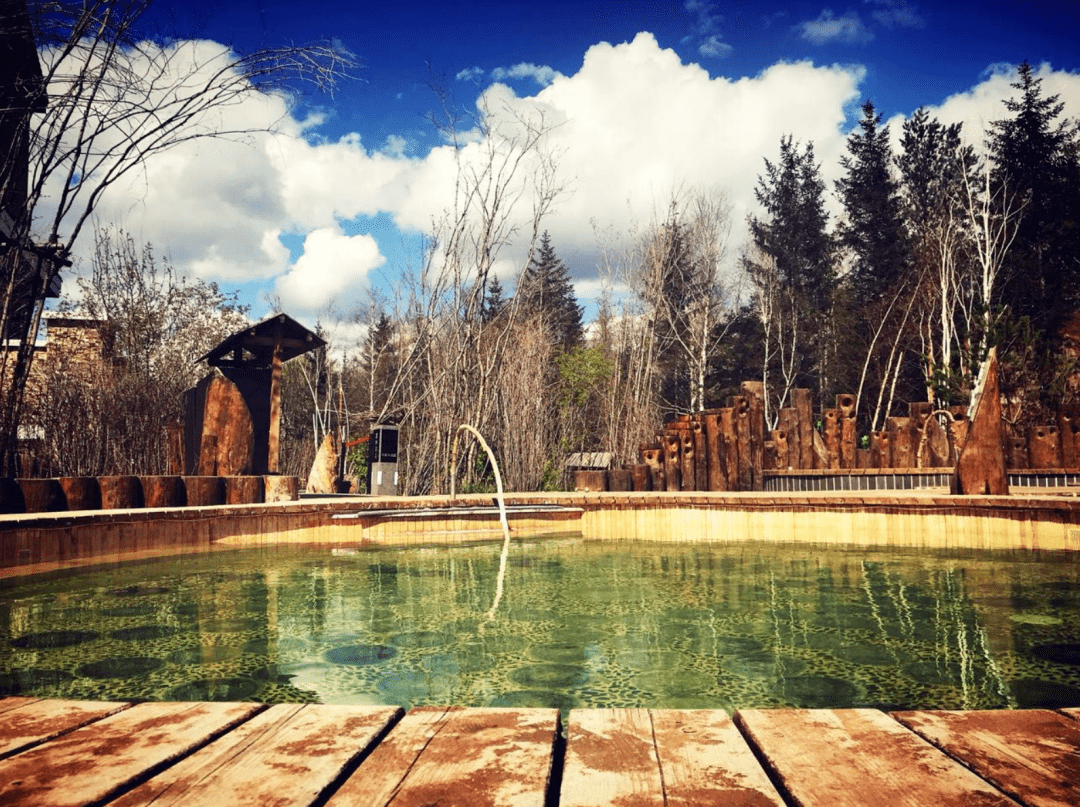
(874, 229)
(493, 301)
(794, 266)
(545, 290)
(1035, 161)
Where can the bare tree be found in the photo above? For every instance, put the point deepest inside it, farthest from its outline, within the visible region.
(115, 100)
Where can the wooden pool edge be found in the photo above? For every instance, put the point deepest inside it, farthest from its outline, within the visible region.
(33, 543)
(73, 752)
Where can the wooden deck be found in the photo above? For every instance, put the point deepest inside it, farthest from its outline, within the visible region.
(78, 753)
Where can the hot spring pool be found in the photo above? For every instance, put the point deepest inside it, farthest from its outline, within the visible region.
(581, 623)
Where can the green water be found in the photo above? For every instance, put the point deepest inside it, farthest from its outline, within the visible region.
(589, 624)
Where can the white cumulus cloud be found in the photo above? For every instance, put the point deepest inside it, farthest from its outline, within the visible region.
(540, 73)
(332, 269)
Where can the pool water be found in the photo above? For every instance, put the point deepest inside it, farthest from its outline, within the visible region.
(589, 624)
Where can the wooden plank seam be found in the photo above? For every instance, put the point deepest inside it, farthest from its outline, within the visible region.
(442, 723)
(149, 773)
(354, 763)
(66, 730)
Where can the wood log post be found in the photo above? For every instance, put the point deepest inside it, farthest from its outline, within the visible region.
(688, 459)
(620, 480)
(980, 469)
(880, 451)
(1068, 419)
(831, 419)
(1044, 447)
(956, 430)
(81, 492)
(779, 451)
(274, 448)
(672, 463)
(862, 458)
(801, 401)
(244, 490)
(701, 456)
(715, 475)
(43, 495)
(900, 442)
(639, 475)
(933, 445)
(845, 405)
(586, 481)
(1016, 452)
(918, 414)
(754, 391)
(287, 488)
(788, 423)
(204, 491)
(741, 405)
(120, 492)
(163, 491)
(730, 440)
(769, 458)
(653, 457)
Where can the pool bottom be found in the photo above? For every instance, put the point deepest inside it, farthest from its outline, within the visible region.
(582, 624)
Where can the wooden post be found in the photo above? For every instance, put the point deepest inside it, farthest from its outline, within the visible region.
(653, 457)
(286, 488)
(639, 475)
(899, 429)
(730, 441)
(880, 452)
(274, 451)
(81, 492)
(832, 437)
(620, 480)
(1016, 452)
(788, 422)
(1069, 434)
(933, 445)
(701, 456)
(688, 459)
(845, 405)
(244, 490)
(981, 466)
(163, 491)
(957, 431)
(780, 450)
(741, 405)
(672, 467)
(755, 393)
(862, 458)
(800, 399)
(715, 477)
(918, 414)
(120, 492)
(1044, 447)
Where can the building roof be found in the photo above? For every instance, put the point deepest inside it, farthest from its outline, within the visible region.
(254, 345)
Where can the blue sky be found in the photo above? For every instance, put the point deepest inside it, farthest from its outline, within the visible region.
(650, 96)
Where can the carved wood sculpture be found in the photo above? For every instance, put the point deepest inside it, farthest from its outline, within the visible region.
(980, 468)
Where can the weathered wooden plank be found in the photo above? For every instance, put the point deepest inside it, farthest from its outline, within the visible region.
(15, 702)
(704, 760)
(288, 754)
(859, 757)
(610, 759)
(34, 721)
(1031, 754)
(466, 757)
(104, 759)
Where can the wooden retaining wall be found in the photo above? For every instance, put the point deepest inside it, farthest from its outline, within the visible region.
(39, 542)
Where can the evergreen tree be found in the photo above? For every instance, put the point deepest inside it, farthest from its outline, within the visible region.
(545, 290)
(493, 301)
(1035, 160)
(793, 267)
(874, 229)
(794, 234)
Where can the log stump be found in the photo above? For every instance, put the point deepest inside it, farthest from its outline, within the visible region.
(120, 492)
(586, 481)
(164, 491)
(204, 491)
(81, 492)
(43, 495)
(244, 490)
(287, 488)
